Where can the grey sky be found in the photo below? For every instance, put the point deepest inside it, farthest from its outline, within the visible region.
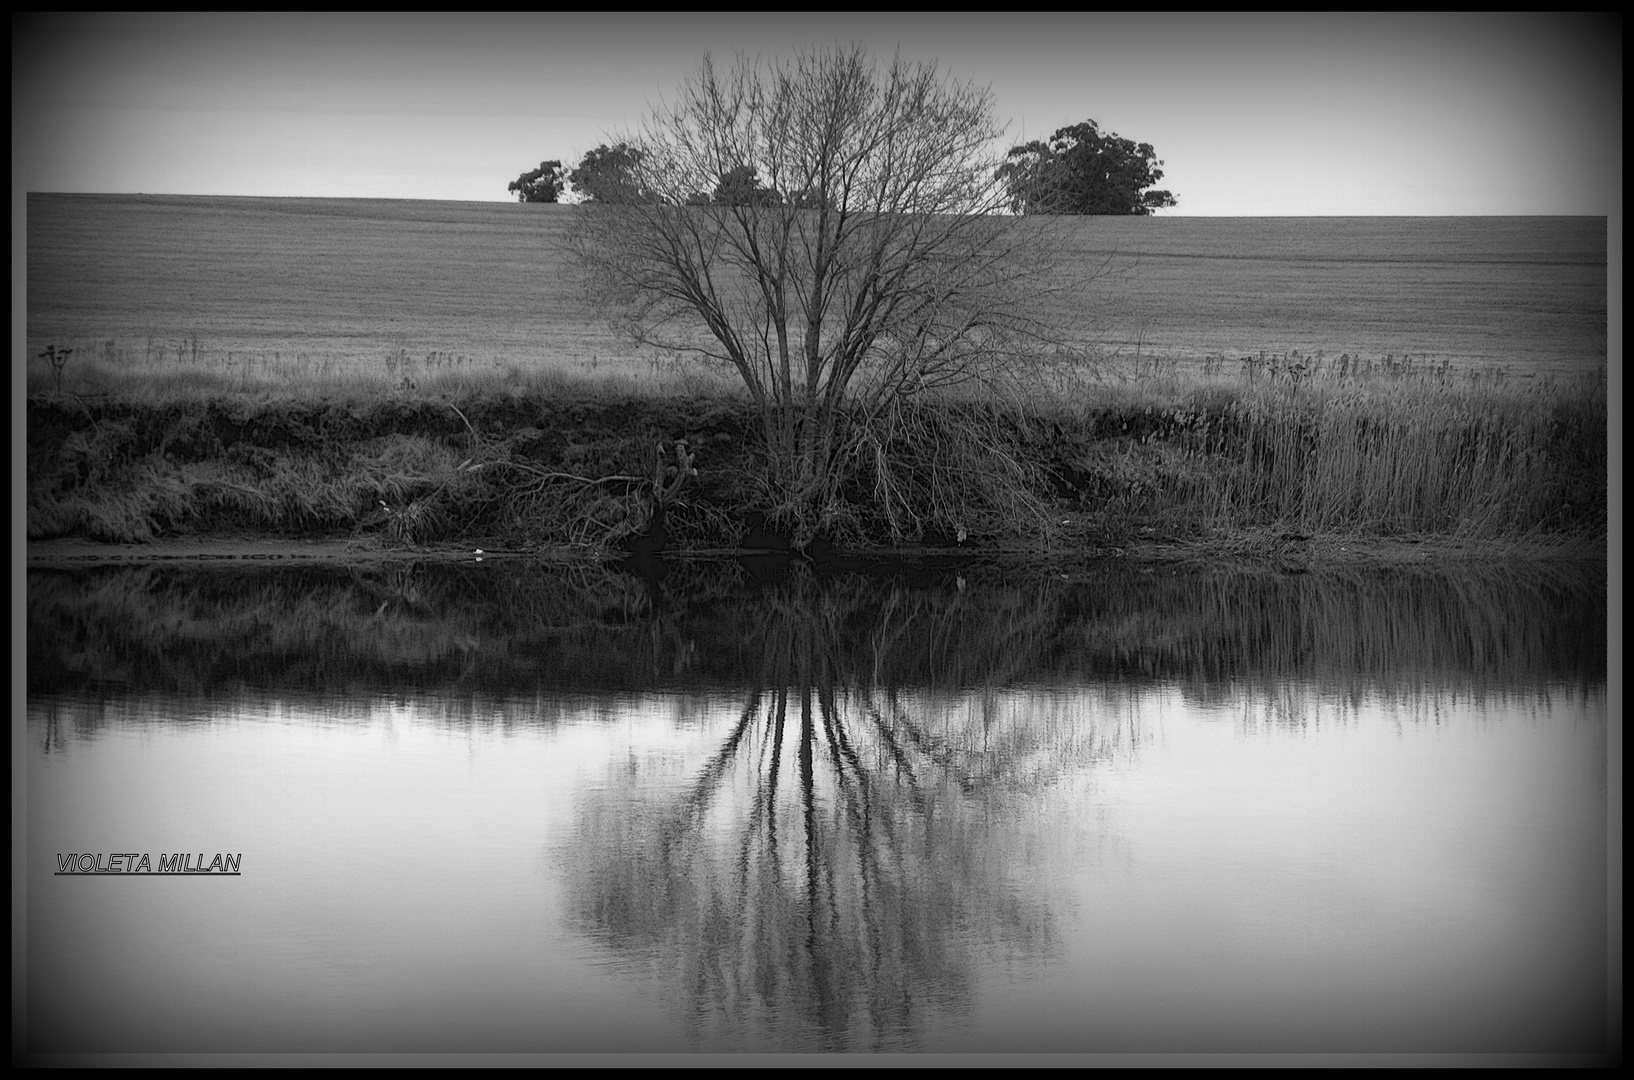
(1285, 114)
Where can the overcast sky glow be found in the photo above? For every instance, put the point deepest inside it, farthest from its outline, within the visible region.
(1285, 114)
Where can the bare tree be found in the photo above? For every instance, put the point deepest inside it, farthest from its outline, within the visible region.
(833, 230)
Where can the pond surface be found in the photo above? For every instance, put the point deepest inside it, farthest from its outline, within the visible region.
(510, 808)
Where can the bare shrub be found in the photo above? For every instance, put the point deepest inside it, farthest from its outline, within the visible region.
(832, 232)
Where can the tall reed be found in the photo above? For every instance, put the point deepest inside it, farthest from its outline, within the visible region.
(1401, 452)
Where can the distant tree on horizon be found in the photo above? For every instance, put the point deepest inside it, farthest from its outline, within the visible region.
(608, 174)
(1082, 170)
(543, 184)
(739, 186)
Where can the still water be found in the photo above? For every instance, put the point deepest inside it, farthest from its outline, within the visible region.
(509, 808)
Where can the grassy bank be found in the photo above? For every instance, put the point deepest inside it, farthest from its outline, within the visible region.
(1253, 447)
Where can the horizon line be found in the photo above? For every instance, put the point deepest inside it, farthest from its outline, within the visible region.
(514, 202)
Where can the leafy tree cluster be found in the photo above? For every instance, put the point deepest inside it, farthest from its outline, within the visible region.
(608, 174)
(1082, 170)
(543, 184)
(739, 186)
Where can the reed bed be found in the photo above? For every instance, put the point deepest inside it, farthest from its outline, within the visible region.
(135, 446)
(1369, 449)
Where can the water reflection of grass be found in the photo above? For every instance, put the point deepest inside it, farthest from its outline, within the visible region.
(494, 629)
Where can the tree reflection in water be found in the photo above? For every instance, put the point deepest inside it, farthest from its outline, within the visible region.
(874, 825)
(834, 874)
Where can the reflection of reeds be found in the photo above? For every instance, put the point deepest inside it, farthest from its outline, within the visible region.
(514, 628)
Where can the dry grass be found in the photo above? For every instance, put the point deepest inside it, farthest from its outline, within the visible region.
(1380, 448)
(191, 368)
(1144, 446)
(349, 281)
(1144, 450)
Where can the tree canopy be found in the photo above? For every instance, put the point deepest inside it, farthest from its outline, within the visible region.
(833, 231)
(543, 184)
(1082, 170)
(739, 186)
(610, 174)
